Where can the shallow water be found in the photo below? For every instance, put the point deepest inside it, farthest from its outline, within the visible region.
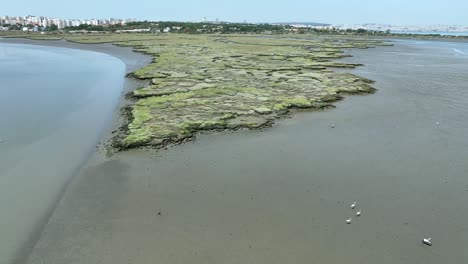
(282, 195)
(54, 104)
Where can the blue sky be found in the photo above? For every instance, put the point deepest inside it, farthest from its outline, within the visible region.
(403, 12)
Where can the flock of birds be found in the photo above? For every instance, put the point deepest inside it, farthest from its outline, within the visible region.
(358, 213)
(425, 241)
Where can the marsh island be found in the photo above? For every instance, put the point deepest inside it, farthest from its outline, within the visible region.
(216, 82)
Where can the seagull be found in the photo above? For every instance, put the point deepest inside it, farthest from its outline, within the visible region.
(348, 221)
(437, 123)
(427, 241)
(358, 213)
(353, 205)
(333, 126)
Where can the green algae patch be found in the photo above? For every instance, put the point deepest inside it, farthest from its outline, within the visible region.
(138, 133)
(298, 101)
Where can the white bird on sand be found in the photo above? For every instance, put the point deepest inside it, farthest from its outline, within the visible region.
(348, 221)
(333, 126)
(353, 205)
(427, 241)
(358, 213)
(437, 123)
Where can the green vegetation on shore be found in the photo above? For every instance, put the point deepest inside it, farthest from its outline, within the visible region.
(216, 82)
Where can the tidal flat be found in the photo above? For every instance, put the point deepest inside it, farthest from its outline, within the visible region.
(282, 195)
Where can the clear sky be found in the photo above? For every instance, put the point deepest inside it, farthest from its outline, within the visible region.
(402, 12)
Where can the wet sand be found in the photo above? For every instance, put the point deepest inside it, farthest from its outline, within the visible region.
(282, 195)
(51, 127)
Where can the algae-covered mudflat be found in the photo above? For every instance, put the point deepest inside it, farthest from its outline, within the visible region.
(216, 82)
(230, 82)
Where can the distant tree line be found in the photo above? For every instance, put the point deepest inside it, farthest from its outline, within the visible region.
(222, 28)
(185, 27)
(17, 27)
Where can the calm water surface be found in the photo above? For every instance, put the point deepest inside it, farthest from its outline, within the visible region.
(282, 195)
(54, 103)
(443, 33)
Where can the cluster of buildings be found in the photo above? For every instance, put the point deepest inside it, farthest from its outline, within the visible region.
(41, 21)
(403, 28)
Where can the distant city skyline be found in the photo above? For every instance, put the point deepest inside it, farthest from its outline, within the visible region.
(397, 12)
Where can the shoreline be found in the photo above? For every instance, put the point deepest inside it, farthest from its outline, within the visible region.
(132, 60)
